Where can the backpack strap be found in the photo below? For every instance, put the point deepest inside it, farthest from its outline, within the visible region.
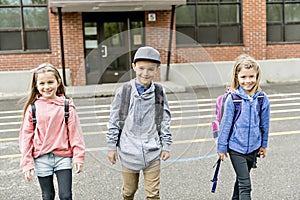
(260, 101)
(125, 96)
(237, 101)
(238, 104)
(33, 113)
(159, 106)
(33, 110)
(66, 110)
(215, 178)
(124, 107)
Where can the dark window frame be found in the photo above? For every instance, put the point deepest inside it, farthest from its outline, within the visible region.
(282, 24)
(23, 31)
(219, 25)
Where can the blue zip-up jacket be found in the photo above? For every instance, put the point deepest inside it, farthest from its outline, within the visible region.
(246, 135)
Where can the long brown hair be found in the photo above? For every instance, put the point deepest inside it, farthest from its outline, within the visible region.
(42, 68)
(247, 62)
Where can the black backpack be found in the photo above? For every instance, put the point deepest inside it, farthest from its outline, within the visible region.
(159, 106)
(33, 108)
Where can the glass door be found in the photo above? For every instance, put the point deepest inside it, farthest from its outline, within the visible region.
(109, 46)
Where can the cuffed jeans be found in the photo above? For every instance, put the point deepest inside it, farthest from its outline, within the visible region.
(242, 164)
(151, 182)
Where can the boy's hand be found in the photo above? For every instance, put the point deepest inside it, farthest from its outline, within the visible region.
(222, 155)
(78, 167)
(165, 155)
(112, 156)
(28, 175)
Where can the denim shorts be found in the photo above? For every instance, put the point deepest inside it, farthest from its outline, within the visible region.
(49, 163)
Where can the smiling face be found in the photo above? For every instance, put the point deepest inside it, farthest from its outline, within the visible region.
(247, 74)
(47, 84)
(145, 72)
(247, 79)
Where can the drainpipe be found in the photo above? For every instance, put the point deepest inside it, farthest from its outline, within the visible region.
(62, 45)
(170, 42)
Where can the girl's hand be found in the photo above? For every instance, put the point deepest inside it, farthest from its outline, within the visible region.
(262, 152)
(112, 156)
(28, 175)
(165, 155)
(222, 155)
(78, 167)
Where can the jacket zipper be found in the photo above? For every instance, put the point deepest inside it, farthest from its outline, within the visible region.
(250, 106)
(140, 122)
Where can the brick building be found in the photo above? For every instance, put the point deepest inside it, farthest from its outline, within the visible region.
(96, 39)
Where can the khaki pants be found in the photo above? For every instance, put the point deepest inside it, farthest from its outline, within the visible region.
(151, 181)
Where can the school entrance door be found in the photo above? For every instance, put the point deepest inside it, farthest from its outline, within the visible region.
(111, 40)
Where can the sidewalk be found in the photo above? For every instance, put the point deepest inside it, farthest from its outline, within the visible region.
(89, 91)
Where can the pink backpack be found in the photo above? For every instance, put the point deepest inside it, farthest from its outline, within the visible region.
(215, 125)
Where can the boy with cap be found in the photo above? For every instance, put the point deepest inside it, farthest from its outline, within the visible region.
(140, 146)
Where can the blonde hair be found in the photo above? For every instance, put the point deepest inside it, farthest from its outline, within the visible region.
(247, 62)
(43, 68)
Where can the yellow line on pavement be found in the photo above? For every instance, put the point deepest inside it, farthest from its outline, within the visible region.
(211, 139)
(11, 156)
(172, 127)
(284, 118)
(8, 139)
(285, 133)
(180, 142)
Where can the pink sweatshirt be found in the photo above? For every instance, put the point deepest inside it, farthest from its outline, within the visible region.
(52, 134)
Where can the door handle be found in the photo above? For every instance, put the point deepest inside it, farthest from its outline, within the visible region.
(104, 51)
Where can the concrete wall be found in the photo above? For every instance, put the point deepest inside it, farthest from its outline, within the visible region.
(202, 74)
(211, 74)
(19, 81)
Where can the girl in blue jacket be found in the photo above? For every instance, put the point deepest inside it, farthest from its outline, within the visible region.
(247, 138)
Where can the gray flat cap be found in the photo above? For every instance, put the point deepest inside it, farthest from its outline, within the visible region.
(147, 53)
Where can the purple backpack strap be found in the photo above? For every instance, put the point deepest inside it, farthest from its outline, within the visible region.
(220, 105)
(238, 104)
(260, 101)
(237, 101)
(220, 110)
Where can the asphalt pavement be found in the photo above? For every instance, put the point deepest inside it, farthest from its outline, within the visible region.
(187, 174)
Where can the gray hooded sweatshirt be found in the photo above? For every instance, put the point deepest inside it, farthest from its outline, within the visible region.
(140, 143)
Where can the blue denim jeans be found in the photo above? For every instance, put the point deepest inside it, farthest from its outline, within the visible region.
(242, 164)
(49, 163)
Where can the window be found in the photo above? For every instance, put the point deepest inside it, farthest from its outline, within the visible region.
(209, 22)
(24, 25)
(283, 21)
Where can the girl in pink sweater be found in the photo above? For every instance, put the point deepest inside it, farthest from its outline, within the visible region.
(53, 143)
